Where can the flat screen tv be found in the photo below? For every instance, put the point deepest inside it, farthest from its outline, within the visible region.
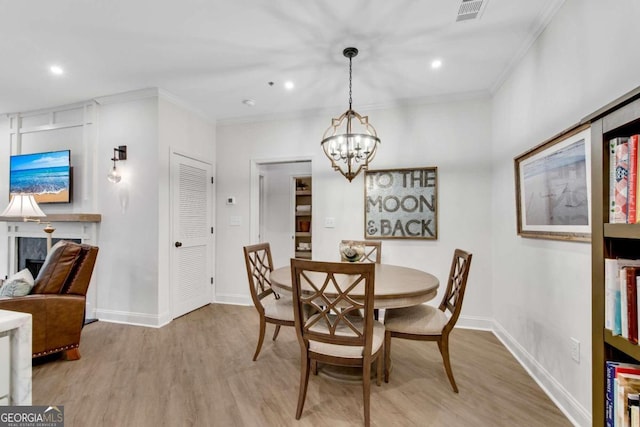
(45, 175)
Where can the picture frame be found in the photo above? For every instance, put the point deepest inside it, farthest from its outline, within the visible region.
(401, 203)
(553, 187)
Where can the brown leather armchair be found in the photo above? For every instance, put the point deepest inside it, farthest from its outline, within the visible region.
(57, 300)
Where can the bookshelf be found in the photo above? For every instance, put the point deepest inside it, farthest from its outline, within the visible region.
(302, 217)
(619, 118)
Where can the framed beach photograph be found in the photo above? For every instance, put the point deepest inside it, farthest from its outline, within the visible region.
(553, 188)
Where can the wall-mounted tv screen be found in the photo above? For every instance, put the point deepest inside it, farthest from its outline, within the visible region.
(45, 175)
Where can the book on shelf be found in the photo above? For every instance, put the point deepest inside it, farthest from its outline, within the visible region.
(621, 167)
(632, 180)
(624, 303)
(628, 383)
(612, 180)
(633, 403)
(632, 302)
(621, 297)
(612, 370)
(611, 296)
(624, 180)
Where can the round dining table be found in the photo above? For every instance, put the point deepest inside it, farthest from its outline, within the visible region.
(395, 286)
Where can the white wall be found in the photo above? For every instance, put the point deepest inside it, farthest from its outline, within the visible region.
(453, 136)
(128, 266)
(587, 57)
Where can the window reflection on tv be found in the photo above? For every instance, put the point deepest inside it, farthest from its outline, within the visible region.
(45, 175)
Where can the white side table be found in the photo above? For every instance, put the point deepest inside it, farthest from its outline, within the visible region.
(15, 358)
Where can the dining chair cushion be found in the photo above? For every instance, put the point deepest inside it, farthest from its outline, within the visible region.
(348, 351)
(281, 308)
(418, 319)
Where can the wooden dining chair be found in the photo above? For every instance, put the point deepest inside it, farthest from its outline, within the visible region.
(323, 300)
(372, 250)
(272, 307)
(426, 323)
(372, 253)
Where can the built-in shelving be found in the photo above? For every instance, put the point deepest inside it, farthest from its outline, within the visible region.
(302, 214)
(621, 118)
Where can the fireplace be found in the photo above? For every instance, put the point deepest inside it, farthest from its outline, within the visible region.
(31, 252)
(27, 242)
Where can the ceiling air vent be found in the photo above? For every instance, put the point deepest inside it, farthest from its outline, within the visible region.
(471, 9)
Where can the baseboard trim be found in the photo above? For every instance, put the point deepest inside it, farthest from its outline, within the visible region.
(569, 406)
(135, 319)
(475, 322)
(233, 299)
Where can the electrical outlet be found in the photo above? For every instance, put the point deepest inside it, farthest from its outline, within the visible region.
(575, 350)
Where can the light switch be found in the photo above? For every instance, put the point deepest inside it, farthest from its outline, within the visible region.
(235, 220)
(329, 222)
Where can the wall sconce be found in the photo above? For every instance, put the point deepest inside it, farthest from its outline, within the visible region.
(119, 153)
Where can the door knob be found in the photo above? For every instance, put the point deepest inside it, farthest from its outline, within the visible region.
(178, 244)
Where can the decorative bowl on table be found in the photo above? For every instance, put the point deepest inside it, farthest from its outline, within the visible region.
(351, 252)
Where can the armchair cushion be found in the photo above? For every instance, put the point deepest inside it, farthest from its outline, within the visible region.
(18, 285)
(56, 268)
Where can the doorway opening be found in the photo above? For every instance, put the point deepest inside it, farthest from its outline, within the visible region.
(273, 217)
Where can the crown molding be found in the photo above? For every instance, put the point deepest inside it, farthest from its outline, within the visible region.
(133, 95)
(544, 18)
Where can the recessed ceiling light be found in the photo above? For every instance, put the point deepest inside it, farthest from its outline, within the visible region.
(56, 69)
(288, 85)
(436, 63)
(249, 102)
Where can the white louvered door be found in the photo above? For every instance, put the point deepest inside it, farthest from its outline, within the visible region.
(192, 260)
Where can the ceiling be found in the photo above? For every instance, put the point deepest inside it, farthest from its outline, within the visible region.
(213, 54)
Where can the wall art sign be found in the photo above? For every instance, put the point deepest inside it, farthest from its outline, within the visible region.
(553, 188)
(401, 203)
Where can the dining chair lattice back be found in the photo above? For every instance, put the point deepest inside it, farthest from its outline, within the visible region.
(327, 333)
(272, 307)
(372, 250)
(426, 323)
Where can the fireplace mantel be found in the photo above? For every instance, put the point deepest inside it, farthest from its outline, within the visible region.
(72, 217)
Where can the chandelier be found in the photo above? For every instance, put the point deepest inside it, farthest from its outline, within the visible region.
(350, 150)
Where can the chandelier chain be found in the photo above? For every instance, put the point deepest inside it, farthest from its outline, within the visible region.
(349, 83)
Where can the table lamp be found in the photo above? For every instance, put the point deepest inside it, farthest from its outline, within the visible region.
(24, 206)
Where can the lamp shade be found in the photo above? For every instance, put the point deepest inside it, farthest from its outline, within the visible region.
(23, 206)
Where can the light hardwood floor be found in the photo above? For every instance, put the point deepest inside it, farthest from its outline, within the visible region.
(197, 371)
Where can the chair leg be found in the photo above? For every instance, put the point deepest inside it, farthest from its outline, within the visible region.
(379, 364)
(304, 381)
(314, 367)
(366, 390)
(73, 354)
(263, 326)
(387, 355)
(443, 345)
(275, 333)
